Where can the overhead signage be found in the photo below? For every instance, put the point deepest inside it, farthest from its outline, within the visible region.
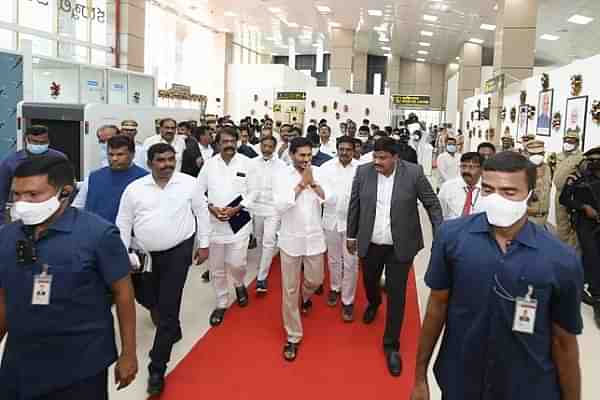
(180, 92)
(76, 10)
(492, 85)
(297, 96)
(411, 100)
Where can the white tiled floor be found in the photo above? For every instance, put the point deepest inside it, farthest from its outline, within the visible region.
(199, 300)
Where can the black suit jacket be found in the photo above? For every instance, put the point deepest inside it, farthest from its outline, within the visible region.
(410, 184)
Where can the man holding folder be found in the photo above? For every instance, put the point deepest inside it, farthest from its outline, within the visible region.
(225, 178)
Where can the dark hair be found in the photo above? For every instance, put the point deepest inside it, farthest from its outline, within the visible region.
(325, 126)
(313, 138)
(357, 141)
(164, 120)
(199, 131)
(184, 124)
(159, 148)
(286, 126)
(119, 141)
(509, 161)
(311, 128)
(366, 121)
(386, 144)
(472, 156)
(299, 142)
(58, 169)
(297, 130)
(388, 129)
(486, 144)
(380, 133)
(364, 128)
(227, 130)
(244, 127)
(36, 130)
(344, 139)
(109, 126)
(271, 138)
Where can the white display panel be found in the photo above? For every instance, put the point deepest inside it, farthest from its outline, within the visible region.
(92, 85)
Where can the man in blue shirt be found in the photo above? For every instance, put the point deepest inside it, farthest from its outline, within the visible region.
(61, 269)
(37, 143)
(508, 294)
(101, 192)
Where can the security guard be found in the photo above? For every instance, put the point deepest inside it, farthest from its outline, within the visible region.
(524, 140)
(539, 203)
(564, 165)
(61, 271)
(581, 196)
(508, 143)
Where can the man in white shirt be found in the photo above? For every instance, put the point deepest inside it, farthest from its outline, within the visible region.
(163, 210)
(327, 143)
(299, 194)
(288, 133)
(225, 178)
(424, 152)
(204, 142)
(263, 171)
(167, 130)
(448, 162)
(343, 266)
(459, 196)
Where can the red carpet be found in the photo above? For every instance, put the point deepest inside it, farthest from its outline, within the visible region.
(242, 359)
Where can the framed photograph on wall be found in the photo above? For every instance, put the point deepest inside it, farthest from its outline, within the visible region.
(544, 117)
(576, 115)
(523, 121)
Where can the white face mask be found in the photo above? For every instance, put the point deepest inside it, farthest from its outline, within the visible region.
(501, 212)
(537, 159)
(35, 213)
(451, 148)
(569, 147)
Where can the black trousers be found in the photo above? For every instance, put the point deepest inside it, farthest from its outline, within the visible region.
(92, 388)
(588, 234)
(169, 273)
(396, 276)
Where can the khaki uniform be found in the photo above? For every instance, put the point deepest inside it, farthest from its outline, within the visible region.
(566, 165)
(538, 209)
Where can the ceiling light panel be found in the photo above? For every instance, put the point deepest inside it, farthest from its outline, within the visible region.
(424, 44)
(421, 60)
(488, 27)
(475, 40)
(386, 48)
(423, 52)
(430, 18)
(549, 37)
(274, 10)
(580, 19)
(229, 14)
(375, 13)
(335, 24)
(323, 9)
(426, 33)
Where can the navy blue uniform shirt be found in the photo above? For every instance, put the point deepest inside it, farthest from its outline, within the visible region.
(73, 338)
(481, 358)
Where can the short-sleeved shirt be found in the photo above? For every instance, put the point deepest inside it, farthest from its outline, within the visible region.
(54, 346)
(481, 357)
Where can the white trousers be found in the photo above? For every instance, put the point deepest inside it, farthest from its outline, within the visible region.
(224, 258)
(265, 231)
(291, 273)
(343, 266)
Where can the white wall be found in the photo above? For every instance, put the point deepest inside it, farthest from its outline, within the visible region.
(452, 100)
(560, 82)
(67, 78)
(357, 103)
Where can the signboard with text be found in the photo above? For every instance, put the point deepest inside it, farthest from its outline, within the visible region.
(295, 96)
(411, 100)
(492, 85)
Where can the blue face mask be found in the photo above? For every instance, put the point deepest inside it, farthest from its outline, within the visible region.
(37, 148)
(451, 148)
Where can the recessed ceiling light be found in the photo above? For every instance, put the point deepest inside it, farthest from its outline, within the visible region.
(488, 27)
(424, 44)
(458, 58)
(386, 48)
(580, 19)
(335, 24)
(316, 45)
(421, 60)
(229, 14)
(292, 25)
(426, 33)
(496, 7)
(477, 41)
(323, 9)
(389, 55)
(380, 29)
(375, 13)
(549, 37)
(430, 18)
(423, 52)
(384, 39)
(274, 10)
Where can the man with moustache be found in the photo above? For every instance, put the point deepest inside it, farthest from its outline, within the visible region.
(299, 194)
(224, 178)
(163, 211)
(167, 134)
(385, 228)
(459, 196)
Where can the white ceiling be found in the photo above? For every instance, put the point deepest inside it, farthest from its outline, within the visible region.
(255, 26)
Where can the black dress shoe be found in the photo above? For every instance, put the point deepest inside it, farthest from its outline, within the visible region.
(319, 290)
(156, 384)
(261, 287)
(332, 298)
(394, 363)
(242, 296)
(348, 313)
(306, 306)
(370, 313)
(216, 317)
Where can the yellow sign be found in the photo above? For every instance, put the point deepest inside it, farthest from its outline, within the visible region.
(276, 107)
(411, 100)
